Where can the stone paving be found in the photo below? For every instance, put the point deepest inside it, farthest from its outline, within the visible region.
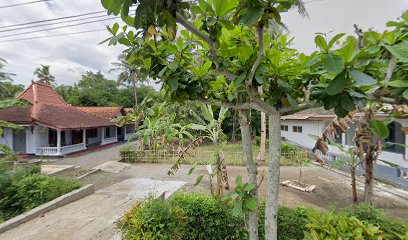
(95, 216)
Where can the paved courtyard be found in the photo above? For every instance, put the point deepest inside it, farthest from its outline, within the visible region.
(93, 217)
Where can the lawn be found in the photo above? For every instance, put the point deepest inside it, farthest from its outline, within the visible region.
(204, 154)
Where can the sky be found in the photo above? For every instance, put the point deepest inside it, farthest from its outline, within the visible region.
(72, 55)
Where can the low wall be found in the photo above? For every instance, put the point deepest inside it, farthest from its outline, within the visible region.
(46, 207)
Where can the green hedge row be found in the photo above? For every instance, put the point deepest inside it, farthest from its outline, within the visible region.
(198, 216)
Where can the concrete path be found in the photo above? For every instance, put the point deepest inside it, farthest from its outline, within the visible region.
(93, 217)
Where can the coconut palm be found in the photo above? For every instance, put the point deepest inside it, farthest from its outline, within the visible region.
(128, 73)
(43, 73)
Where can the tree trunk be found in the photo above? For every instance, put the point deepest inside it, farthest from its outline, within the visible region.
(234, 126)
(369, 176)
(271, 211)
(251, 170)
(135, 91)
(262, 146)
(354, 186)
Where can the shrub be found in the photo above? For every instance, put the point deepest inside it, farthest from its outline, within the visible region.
(209, 217)
(184, 216)
(370, 215)
(288, 148)
(25, 188)
(339, 226)
(291, 222)
(154, 219)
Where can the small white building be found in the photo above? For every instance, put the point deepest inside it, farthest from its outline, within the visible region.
(298, 127)
(52, 127)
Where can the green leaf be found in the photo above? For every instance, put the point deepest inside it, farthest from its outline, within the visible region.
(334, 64)
(347, 102)
(361, 79)
(321, 42)
(198, 180)
(347, 52)
(399, 83)
(335, 39)
(240, 79)
(331, 102)
(337, 85)
(249, 187)
(198, 127)
(252, 15)
(250, 203)
(238, 180)
(222, 7)
(340, 111)
(237, 208)
(399, 50)
(147, 63)
(115, 28)
(405, 94)
(379, 128)
(192, 168)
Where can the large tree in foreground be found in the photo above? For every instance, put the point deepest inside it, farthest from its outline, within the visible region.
(222, 56)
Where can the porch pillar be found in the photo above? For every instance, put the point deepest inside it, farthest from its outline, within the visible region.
(84, 137)
(116, 133)
(103, 136)
(59, 142)
(405, 130)
(343, 139)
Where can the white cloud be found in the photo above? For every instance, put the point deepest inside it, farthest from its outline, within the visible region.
(70, 56)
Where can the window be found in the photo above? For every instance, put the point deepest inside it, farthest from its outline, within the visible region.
(284, 128)
(297, 129)
(402, 173)
(91, 133)
(107, 132)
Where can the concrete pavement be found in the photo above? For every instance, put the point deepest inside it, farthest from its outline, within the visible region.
(93, 217)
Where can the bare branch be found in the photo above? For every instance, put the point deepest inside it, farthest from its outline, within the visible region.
(236, 106)
(390, 69)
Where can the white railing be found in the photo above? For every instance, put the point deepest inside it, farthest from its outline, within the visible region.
(109, 140)
(72, 148)
(47, 151)
(128, 135)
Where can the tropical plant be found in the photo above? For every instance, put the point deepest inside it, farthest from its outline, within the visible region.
(222, 55)
(128, 74)
(43, 73)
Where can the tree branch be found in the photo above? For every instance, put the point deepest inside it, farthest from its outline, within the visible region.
(258, 60)
(236, 106)
(390, 69)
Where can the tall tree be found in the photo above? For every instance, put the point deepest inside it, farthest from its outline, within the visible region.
(5, 79)
(222, 55)
(128, 74)
(43, 73)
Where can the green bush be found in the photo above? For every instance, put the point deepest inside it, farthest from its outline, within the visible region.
(287, 148)
(291, 222)
(154, 219)
(339, 226)
(25, 189)
(370, 215)
(184, 216)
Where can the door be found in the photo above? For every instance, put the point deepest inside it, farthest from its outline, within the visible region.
(19, 141)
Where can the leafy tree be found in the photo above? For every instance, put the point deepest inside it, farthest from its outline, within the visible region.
(128, 74)
(10, 90)
(222, 56)
(94, 89)
(43, 73)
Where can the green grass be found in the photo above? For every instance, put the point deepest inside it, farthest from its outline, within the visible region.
(204, 154)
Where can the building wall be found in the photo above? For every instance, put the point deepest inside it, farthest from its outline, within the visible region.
(382, 170)
(7, 137)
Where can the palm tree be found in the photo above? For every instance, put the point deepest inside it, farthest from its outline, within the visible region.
(43, 73)
(128, 73)
(4, 78)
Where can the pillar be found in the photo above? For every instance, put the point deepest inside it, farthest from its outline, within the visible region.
(84, 137)
(103, 136)
(59, 142)
(405, 130)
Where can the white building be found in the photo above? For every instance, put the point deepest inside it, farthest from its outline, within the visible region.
(298, 127)
(52, 127)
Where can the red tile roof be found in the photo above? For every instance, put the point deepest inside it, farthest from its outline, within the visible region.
(50, 110)
(105, 112)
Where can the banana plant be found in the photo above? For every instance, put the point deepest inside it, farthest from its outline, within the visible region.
(211, 126)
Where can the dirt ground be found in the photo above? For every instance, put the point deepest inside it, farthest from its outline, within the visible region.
(332, 188)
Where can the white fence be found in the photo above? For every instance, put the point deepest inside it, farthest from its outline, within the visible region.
(53, 151)
(72, 148)
(109, 140)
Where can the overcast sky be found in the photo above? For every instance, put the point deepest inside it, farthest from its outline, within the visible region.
(70, 56)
